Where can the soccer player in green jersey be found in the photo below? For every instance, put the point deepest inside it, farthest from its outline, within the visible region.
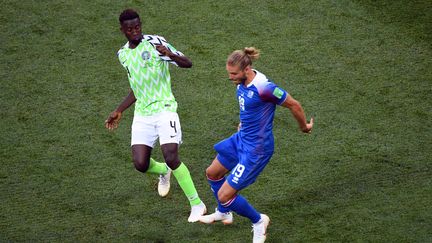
(146, 59)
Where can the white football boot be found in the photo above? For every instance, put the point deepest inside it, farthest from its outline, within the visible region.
(226, 218)
(196, 212)
(260, 229)
(164, 183)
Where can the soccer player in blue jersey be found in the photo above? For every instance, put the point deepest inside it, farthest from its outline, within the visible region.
(247, 152)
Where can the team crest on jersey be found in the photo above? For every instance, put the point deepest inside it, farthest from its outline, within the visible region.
(145, 55)
(250, 94)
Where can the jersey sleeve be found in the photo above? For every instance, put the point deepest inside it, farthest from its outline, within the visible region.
(270, 92)
(122, 57)
(159, 40)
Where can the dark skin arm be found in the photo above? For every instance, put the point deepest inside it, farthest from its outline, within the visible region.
(182, 61)
(114, 117)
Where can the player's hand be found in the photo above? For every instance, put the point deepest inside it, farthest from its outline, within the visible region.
(163, 50)
(181, 61)
(113, 120)
(308, 128)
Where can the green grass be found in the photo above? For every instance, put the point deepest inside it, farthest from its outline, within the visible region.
(362, 68)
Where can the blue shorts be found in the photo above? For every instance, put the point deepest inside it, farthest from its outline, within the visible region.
(244, 166)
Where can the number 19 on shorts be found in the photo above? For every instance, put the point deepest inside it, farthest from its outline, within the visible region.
(237, 172)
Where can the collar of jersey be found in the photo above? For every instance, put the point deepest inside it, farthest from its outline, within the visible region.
(259, 77)
(142, 40)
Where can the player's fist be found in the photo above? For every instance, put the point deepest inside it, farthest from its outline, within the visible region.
(163, 50)
(308, 128)
(113, 120)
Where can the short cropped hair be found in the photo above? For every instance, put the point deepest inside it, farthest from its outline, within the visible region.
(128, 14)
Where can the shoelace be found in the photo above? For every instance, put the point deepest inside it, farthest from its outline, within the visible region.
(163, 180)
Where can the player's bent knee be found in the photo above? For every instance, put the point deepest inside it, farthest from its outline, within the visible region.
(224, 197)
(141, 165)
(210, 173)
(213, 173)
(173, 163)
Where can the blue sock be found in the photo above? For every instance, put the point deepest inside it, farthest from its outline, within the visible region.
(242, 207)
(215, 185)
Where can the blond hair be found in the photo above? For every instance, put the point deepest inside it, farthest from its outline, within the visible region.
(243, 58)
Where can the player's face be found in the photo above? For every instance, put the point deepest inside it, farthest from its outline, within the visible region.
(236, 75)
(132, 30)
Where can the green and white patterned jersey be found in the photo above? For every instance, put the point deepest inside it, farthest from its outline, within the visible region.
(149, 77)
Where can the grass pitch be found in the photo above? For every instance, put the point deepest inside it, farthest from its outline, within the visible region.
(362, 68)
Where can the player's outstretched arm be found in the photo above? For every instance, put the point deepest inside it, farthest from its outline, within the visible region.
(182, 61)
(114, 117)
(298, 113)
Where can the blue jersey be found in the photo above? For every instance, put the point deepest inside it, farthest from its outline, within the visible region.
(257, 103)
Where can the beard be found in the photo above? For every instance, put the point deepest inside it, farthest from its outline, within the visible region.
(239, 81)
